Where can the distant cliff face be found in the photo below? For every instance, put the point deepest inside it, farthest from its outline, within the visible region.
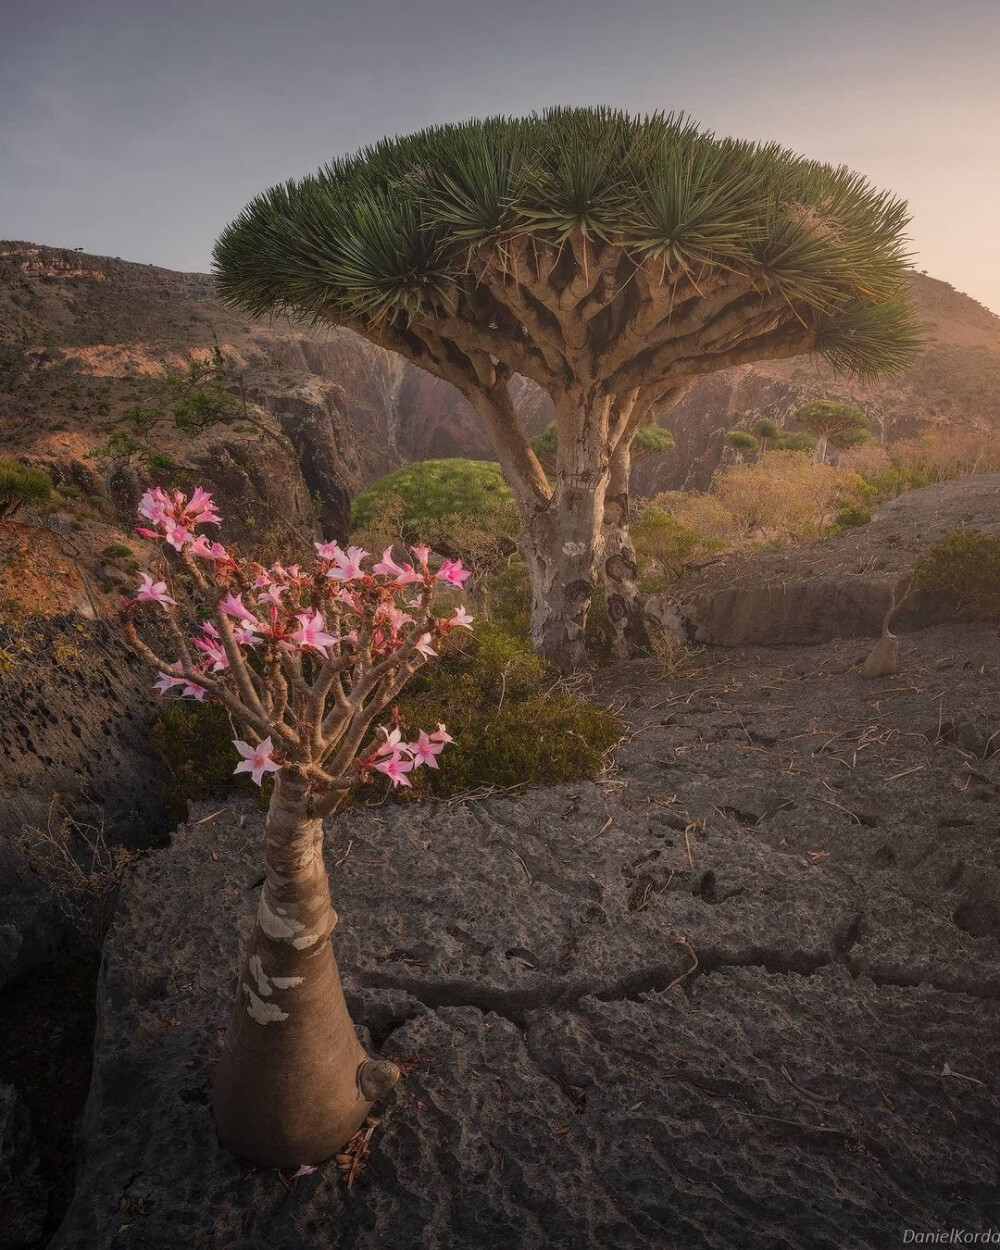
(82, 336)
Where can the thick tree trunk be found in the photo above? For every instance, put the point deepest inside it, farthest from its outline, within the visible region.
(618, 562)
(293, 1083)
(560, 549)
(561, 541)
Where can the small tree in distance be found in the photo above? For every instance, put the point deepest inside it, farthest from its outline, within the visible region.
(305, 660)
(765, 429)
(832, 421)
(740, 442)
(613, 260)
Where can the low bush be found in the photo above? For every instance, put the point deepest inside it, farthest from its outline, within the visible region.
(194, 742)
(964, 565)
(511, 722)
(21, 486)
(461, 508)
(116, 551)
(665, 547)
(850, 516)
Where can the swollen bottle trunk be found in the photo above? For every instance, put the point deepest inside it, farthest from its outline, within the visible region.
(289, 1084)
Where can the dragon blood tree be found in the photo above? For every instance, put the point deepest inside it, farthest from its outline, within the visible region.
(305, 660)
(612, 260)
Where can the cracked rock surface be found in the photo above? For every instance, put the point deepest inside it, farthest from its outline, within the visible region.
(744, 992)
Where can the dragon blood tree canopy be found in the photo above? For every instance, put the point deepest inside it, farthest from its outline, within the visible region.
(610, 259)
(436, 235)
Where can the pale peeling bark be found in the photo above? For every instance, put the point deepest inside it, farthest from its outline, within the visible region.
(293, 1083)
(619, 565)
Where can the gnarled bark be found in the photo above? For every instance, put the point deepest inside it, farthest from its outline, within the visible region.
(619, 565)
(293, 1083)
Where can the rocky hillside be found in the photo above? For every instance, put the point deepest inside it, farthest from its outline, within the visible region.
(83, 336)
(955, 381)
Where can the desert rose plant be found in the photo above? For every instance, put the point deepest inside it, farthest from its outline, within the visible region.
(306, 660)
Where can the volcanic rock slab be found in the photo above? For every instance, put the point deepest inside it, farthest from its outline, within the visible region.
(744, 992)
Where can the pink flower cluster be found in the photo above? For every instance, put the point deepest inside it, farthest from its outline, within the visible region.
(175, 517)
(396, 758)
(334, 612)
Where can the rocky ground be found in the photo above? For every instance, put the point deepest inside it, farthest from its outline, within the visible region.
(835, 588)
(745, 991)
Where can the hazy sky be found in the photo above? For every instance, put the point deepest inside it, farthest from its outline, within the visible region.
(138, 128)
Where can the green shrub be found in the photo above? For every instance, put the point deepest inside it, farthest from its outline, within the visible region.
(460, 508)
(664, 547)
(964, 565)
(21, 485)
(793, 440)
(896, 479)
(509, 726)
(741, 441)
(652, 440)
(116, 551)
(544, 444)
(851, 515)
(509, 599)
(194, 742)
(434, 490)
(765, 428)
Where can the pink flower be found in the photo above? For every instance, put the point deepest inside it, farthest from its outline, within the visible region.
(396, 768)
(392, 616)
(201, 509)
(215, 653)
(176, 516)
(441, 734)
(402, 572)
(176, 535)
(422, 554)
(327, 551)
(451, 571)
(311, 633)
(155, 504)
(205, 550)
(165, 682)
(272, 595)
(348, 567)
(461, 619)
(153, 592)
(424, 646)
(245, 638)
(425, 750)
(256, 760)
(193, 691)
(392, 744)
(232, 605)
